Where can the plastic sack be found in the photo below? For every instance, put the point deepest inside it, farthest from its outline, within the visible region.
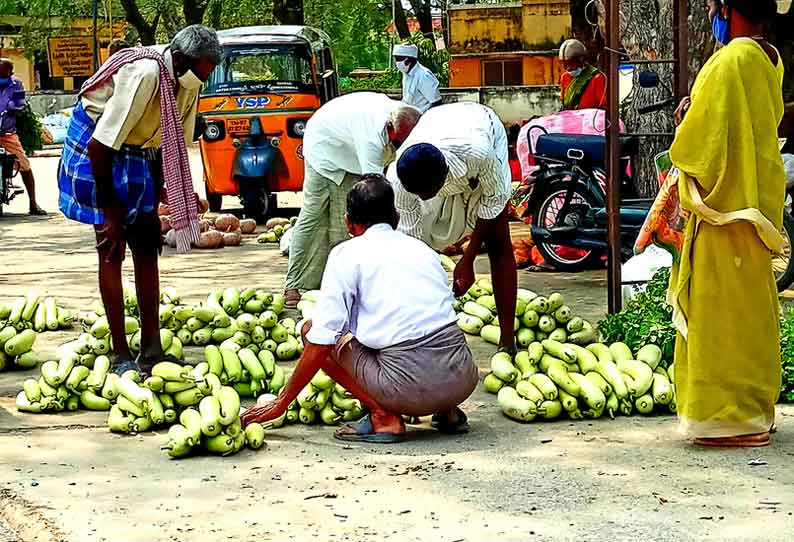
(788, 165)
(640, 269)
(286, 239)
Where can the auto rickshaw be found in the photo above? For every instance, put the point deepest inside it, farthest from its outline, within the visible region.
(253, 110)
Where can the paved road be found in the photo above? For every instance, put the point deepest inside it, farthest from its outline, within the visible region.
(65, 477)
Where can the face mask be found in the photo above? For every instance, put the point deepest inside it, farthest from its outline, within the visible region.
(402, 66)
(576, 72)
(719, 27)
(5, 81)
(189, 81)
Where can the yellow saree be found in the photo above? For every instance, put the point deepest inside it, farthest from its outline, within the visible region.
(723, 292)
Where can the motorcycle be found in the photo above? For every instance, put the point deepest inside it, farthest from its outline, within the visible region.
(9, 168)
(568, 203)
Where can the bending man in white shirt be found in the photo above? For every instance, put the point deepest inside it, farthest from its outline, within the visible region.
(384, 328)
(348, 137)
(420, 85)
(452, 179)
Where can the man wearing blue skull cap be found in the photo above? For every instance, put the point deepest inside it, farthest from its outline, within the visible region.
(452, 179)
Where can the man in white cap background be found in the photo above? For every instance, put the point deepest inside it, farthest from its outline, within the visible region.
(583, 86)
(420, 85)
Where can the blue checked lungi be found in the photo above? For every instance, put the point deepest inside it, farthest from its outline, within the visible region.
(132, 176)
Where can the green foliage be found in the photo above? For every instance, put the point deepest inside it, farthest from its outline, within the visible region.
(787, 357)
(647, 319)
(29, 130)
(435, 61)
(357, 29)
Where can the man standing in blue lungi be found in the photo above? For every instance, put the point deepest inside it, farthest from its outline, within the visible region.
(125, 144)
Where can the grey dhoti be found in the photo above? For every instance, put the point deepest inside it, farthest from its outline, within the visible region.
(419, 377)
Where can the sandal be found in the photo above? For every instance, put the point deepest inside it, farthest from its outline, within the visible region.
(742, 441)
(442, 424)
(125, 365)
(362, 431)
(37, 211)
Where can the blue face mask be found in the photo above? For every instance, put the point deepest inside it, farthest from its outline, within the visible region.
(5, 81)
(577, 72)
(719, 26)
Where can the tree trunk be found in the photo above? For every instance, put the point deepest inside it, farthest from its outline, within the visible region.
(424, 16)
(194, 11)
(288, 11)
(147, 32)
(400, 21)
(646, 27)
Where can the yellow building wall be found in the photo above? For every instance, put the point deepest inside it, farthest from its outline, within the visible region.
(23, 67)
(546, 21)
(519, 26)
(484, 28)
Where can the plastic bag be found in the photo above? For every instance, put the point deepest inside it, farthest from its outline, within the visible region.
(666, 220)
(640, 269)
(286, 239)
(788, 165)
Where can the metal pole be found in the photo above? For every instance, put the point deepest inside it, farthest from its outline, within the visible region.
(681, 48)
(94, 16)
(613, 154)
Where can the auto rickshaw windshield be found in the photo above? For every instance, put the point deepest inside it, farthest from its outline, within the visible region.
(257, 69)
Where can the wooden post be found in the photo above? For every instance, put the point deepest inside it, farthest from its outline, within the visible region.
(613, 155)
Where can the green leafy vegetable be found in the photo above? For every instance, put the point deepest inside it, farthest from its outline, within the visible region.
(647, 319)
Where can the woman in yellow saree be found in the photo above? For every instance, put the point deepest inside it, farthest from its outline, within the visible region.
(727, 358)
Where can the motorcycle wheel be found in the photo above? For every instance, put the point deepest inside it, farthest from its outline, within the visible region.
(560, 257)
(215, 200)
(258, 203)
(782, 264)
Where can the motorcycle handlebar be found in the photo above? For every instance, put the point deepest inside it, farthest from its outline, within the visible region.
(658, 106)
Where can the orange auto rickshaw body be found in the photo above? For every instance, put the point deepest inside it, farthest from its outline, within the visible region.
(274, 77)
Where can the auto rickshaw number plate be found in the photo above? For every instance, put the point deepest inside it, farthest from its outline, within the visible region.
(238, 126)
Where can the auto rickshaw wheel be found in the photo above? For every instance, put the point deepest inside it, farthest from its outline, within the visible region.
(215, 200)
(258, 203)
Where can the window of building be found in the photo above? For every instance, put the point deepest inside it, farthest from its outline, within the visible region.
(502, 73)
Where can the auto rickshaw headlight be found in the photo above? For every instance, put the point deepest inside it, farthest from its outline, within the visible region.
(297, 128)
(214, 131)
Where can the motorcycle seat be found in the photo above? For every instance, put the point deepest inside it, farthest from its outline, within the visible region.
(589, 149)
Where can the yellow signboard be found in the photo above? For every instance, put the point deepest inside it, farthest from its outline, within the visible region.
(71, 56)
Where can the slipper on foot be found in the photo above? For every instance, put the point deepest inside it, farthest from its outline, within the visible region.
(460, 427)
(743, 441)
(364, 432)
(126, 365)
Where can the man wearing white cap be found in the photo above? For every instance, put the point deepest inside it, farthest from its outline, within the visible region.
(420, 85)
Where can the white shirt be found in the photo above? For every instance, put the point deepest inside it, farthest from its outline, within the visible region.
(420, 88)
(348, 135)
(126, 109)
(385, 288)
(474, 143)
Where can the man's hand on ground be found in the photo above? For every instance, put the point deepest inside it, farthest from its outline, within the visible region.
(262, 414)
(463, 277)
(112, 244)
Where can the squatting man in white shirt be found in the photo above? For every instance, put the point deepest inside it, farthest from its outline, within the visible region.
(452, 179)
(346, 138)
(383, 328)
(420, 85)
